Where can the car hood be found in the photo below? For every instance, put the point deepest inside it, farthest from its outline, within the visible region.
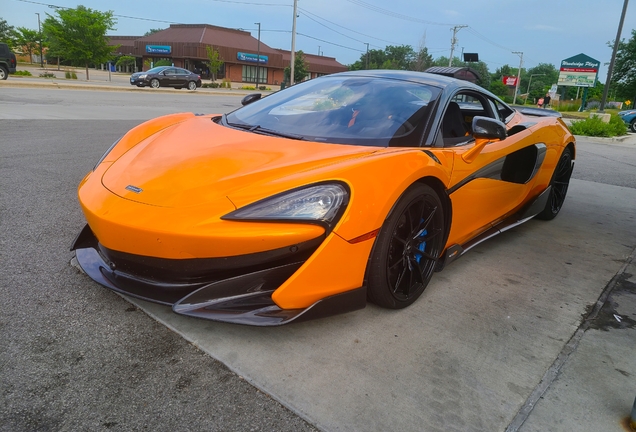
(198, 162)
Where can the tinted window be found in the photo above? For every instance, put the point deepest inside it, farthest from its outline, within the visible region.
(352, 110)
(156, 70)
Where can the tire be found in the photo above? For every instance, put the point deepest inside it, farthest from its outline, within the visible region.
(154, 83)
(192, 86)
(632, 125)
(406, 250)
(560, 182)
(4, 73)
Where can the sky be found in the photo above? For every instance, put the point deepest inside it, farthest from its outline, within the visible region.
(545, 31)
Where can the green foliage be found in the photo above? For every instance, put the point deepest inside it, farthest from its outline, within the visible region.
(27, 40)
(214, 60)
(70, 74)
(301, 68)
(47, 75)
(401, 57)
(568, 106)
(245, 87)
(226, 83)
(596, 127)
(162, 62)
(624, 75)
(23, 73)
(422, 60)
(7, 34)
(151, 31)
(498, 88)
(79, 35)
(125, 61)
(210, 85)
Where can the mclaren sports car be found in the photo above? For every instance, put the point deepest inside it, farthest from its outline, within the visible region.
(313, 200)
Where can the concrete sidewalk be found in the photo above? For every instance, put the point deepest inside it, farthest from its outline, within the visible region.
(102, 80)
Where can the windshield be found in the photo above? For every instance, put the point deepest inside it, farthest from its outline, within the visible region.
(345, 109)
(157, 69)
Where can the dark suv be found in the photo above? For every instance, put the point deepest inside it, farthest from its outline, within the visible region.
(7, 61)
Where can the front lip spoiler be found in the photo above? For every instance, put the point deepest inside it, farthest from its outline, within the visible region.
(244, 299)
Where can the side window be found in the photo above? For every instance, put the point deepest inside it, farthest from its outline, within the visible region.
(170, 71)
(504, 112)
(458, 117)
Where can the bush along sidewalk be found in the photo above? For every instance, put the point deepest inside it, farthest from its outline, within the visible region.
(596, 127)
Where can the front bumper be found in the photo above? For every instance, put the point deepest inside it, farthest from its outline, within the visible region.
(233, 289)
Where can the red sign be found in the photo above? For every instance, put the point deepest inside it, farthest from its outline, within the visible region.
(510, 81)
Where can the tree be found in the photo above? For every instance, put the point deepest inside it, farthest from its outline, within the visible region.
(301, 68)
(80, 34)
(624, 74)
(28, 41)
(125, 61)
(7, 33)
(151, 31)
(422, 61)
(214, 61)
(543, 76)
(392, 57)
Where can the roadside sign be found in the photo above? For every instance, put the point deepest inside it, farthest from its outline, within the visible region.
(578, 71)
(510, 81)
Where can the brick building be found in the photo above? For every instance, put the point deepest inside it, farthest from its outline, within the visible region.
(185, 46)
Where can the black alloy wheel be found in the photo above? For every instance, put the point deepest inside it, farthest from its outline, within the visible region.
(408, 246)
(154, 83)
(560, 183)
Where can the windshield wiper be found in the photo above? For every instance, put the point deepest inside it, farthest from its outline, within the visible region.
(262, 130)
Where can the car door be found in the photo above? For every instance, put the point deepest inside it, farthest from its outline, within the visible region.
(487, 187)
(169, 78)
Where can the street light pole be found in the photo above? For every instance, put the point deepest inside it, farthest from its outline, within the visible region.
(293, 50)
(367, 44)
(258, 56)
(40, 34)
(520, 54)
(608, 81)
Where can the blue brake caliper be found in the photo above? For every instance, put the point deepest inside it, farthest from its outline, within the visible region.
(422, 246)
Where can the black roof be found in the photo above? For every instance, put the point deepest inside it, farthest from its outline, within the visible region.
(418, 77)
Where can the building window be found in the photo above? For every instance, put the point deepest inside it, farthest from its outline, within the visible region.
(249, 74)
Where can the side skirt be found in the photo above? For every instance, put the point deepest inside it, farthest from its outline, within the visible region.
(525, 214)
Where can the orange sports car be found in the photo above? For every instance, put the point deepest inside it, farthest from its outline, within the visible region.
(308, 202)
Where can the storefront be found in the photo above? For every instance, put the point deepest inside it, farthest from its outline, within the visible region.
(184, 45)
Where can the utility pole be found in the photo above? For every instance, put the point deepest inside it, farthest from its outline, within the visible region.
(40, 34)
(367, 44)
(454, 41)
(520, 54)
(608, 81)
(318, 49)
(293, 50)
(258, 56)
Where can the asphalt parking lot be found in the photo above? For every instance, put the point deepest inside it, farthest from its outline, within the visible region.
(520, 334)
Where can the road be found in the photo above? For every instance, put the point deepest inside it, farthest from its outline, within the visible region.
(469, 355)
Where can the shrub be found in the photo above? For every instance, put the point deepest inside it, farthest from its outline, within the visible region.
(47, 75)
(226, 83)
(210, 85)
(163, 62)
(568, 106)
(596, 127)
(23, 73)
(248, 88)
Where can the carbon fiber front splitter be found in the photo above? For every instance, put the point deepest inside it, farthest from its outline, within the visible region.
(244, 299)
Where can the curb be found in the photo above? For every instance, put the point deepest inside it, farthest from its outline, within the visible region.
(13, 83)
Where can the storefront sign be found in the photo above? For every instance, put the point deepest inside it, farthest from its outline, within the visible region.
(579, 71)
(252, 58)
(158, 49)
(510, 81)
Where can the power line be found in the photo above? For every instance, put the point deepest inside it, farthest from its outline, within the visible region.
(330, 43)
(395, 14)
(348, 29)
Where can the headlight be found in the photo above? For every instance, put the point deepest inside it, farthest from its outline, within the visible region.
(316, 203)
(101, 159)
(142, 76)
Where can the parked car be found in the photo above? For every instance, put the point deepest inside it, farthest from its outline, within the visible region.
(8, 62)
(308, 202)
(166, 76)
(629, 117)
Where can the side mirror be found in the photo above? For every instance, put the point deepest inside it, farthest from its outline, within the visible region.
(250, 98)
(488, 128)
(485, 130)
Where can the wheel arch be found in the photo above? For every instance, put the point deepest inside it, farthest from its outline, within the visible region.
(447, 206)
(572, 148)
